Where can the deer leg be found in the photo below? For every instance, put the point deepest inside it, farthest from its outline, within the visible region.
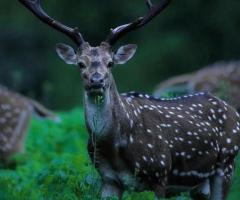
(216, 187)
(226, 187)
(220, 188)
(220, 185)
(201, 192)
(110, 186)
(227, 179)
(111, 190)
(159, 191)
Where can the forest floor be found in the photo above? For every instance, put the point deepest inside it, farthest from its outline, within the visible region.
(56, 166)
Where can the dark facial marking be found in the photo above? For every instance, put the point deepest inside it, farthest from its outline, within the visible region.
(95, 64)
(94, 52)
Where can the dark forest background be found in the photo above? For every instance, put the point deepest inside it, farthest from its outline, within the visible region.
(187, 36)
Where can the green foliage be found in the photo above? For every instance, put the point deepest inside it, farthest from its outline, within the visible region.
(56, 166)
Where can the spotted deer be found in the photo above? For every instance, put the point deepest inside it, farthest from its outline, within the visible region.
(15, 114)
(221, 79)
(145, 143)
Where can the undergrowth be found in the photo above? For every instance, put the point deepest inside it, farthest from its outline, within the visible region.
(56, 166)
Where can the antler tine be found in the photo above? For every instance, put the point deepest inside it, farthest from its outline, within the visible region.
(120, 31)
(35, 7)
(149, 4)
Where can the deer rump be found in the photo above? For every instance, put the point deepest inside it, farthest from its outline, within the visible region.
(177, 143)
(15, 113)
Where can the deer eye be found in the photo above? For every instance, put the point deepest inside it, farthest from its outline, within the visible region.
(81, 65)
(110, 64)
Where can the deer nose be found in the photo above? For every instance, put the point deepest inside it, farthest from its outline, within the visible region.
(96, 79)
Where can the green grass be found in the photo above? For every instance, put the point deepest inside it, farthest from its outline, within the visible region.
(56, 166)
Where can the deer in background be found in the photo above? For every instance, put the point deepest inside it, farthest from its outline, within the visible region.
(145, 143)
(221, 79)
(15, 114)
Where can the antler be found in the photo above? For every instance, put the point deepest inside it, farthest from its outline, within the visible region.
(122, 30)
(35, 7)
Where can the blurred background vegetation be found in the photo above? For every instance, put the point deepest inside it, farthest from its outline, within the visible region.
(186, 37)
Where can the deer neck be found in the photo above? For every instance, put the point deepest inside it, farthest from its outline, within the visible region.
(101, 111)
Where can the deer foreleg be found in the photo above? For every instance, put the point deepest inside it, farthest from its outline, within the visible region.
(159, 191)
(227, 179)
(110, 186)
(226, 187)
(111, 190)
(201, 192)
(216, 185)
(220, 185)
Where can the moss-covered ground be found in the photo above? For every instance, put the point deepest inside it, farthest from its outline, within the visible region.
(56, 166)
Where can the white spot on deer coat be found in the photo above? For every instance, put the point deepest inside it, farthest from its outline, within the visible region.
(149, 131)
(150, 146)
(229, 140)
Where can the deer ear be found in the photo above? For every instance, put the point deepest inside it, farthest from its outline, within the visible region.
(66, 53)
(125, 53)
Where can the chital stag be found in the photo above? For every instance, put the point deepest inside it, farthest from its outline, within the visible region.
(143, 142)
(221, 79)
(15, 114)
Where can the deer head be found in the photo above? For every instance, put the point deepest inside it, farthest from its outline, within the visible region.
(95, 62)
